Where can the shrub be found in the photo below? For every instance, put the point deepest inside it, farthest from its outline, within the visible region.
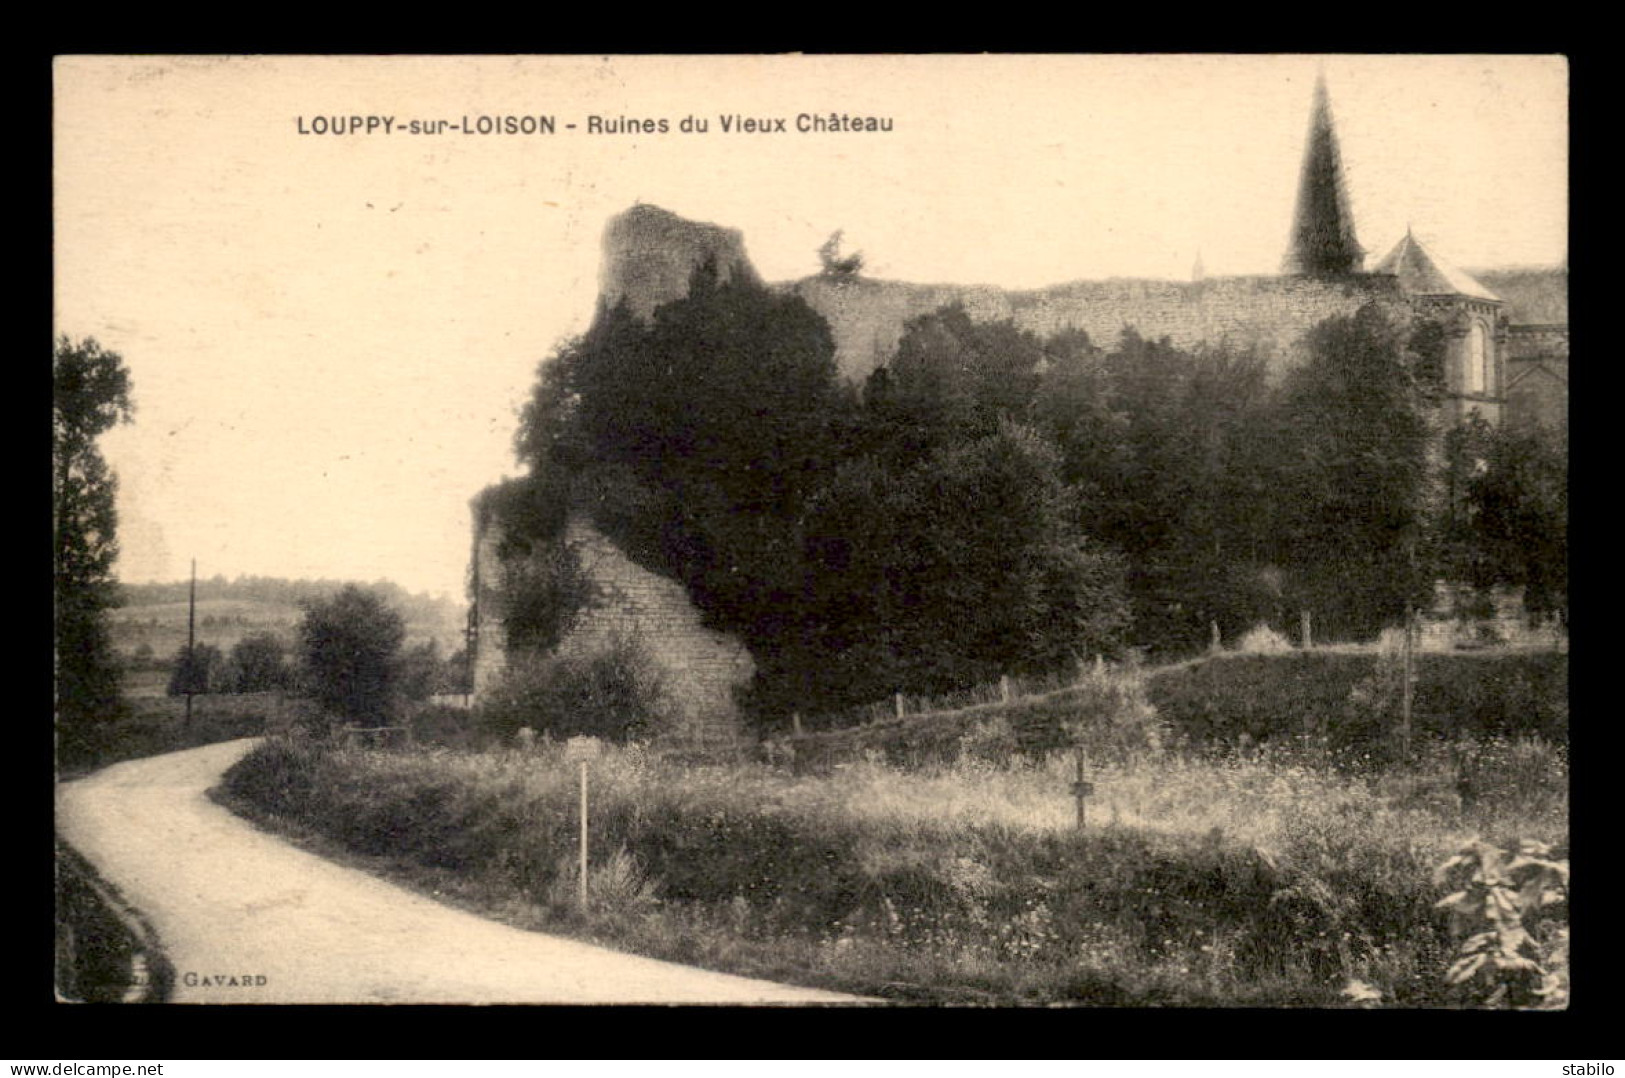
(616, 693)
(1508, 910)
(350, 645)
(1111, 715)
(442, 724)
(1263, 640)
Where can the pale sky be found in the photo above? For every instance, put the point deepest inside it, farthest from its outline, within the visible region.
(330, 337)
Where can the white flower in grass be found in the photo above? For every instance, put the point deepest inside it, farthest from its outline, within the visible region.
(1357, 991)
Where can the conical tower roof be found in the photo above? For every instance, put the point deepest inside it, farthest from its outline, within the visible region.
(1421, 273)
(1322, 241)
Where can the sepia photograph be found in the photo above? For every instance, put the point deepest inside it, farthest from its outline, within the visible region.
(812, 531)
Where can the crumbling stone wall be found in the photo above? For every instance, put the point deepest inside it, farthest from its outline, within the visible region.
(699, 667)
(1271, 314)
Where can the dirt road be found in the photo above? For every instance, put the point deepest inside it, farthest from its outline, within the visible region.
(246, 918)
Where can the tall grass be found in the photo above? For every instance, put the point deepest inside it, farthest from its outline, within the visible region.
(1242, 880)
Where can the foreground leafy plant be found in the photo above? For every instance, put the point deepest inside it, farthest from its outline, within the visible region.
(1513, 952)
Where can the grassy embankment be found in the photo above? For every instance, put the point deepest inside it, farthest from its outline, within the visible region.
(104, 952)
(1207, 876)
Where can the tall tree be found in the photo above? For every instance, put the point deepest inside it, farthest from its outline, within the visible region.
(953, 570)
(200, 668)
(258, 663)
(90, 394)
(1359, 433)
(1506, 519)
(953, 379)
(351, 646)
(699, 436)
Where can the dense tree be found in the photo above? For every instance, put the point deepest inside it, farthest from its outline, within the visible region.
(457, 674)
(90, 395)
(1169, 451)
(198, 669)
(993, 502)
(696, 438)
(258, 664)
(350, 645)
(1507, 512)
(1357, 483)
(954, 379)
(422, 672)
(954, 570)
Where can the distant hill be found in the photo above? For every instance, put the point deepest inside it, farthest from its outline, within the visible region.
(155, 615)
(1533, 295)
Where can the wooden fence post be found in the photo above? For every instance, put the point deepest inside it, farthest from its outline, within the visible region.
(899, 705)
(1004, 687)
(583, 836)
(1405, 709)
(1308, 640)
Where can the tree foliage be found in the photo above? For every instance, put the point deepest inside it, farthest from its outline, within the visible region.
(198, 669)
(90, 395)
(258, 663)
(955, 570)
(1506, 520)
(350, 647)
(617, 694)
(953, 379)
(695, 439)
(1356, 498)
(997, 502)
(1169, 451)
(834, 263)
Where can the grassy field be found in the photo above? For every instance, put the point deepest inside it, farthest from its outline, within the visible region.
(223, 622)
(1206, 876)
(157, 723)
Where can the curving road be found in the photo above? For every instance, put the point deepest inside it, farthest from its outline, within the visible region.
(246, 918)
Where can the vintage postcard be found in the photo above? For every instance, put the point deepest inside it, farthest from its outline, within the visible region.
(812, 530)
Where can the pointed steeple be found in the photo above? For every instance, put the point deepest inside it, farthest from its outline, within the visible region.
(1198, 271)
(1322, 242)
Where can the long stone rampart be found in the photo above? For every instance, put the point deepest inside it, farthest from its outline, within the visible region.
(1270, 314)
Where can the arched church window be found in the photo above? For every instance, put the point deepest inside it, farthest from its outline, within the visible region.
(1477, 360)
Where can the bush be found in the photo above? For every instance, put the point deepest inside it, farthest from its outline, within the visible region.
(351, 645)
(1263, 640)
(442, 724)
(616, 693)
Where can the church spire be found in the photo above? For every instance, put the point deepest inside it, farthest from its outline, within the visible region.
(1322, 242)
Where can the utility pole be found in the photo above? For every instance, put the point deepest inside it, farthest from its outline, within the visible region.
(191, 642)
